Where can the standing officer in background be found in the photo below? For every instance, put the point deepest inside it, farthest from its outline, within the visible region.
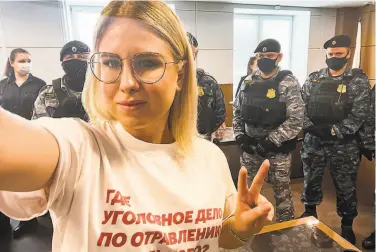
(268, 115)
(63, 97)
(367, 149)
(17, 95)
(211, 102)
(337, 100)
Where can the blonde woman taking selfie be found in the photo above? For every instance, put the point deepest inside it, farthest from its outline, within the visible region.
(137, 178)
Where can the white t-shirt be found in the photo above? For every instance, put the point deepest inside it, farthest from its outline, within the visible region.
(113, 192)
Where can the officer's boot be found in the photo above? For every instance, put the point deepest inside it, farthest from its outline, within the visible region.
(25, 227)
(369, 242)
(347, 230)
(310, 210)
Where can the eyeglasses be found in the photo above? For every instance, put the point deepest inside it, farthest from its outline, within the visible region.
(148, 68)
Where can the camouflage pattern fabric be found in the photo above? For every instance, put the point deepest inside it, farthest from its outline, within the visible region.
(339, 155)
(47, 101)
(211, 104)
(279, 174)
(279, 177)
(289, 92)
(367, 132)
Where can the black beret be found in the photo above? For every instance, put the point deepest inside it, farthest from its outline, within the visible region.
(338, 41)
(73, 47)
(268, 45)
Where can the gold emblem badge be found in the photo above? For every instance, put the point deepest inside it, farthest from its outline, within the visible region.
(341, 89)
(49, 95)
(271, 93)
(247, 82)
(200, 91)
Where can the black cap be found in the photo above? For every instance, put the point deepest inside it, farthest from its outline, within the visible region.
(268, 45)
(73, 47)
(338, 41)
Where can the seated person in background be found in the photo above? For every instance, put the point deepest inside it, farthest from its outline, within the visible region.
(211, 102)
(251, 68)
(17, 95)
(137, 177)
(63, 97)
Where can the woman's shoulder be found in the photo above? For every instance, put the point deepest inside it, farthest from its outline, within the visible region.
(74, 130)
(207, 149)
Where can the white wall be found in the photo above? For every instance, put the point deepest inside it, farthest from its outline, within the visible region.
(323, 24)
(38, 27)
(212, 23)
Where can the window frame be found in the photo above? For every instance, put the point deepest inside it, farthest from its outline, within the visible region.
(260, 18)
(70, 16)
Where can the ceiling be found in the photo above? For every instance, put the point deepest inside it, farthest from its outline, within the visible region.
(295, 3)
(299, 3)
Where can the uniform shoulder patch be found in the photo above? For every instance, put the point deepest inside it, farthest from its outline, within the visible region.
(314, 77)
(47, 92)
(50, 95)
(200, 91)
(247, 82)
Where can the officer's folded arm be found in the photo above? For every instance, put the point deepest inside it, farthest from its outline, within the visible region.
(28, 154)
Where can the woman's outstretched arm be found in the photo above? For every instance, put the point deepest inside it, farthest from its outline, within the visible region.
(28, 154)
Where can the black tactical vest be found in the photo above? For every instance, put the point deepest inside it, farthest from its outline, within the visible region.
(68, 106)
(329, 101)
(261, 105)
(206, 107)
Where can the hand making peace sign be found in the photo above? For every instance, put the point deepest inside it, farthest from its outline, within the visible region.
(253, 210)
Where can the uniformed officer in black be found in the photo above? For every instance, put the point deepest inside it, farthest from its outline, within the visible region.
(268, 115)
(211, 102)
(18, 92)
(63, 97)
(337, 104)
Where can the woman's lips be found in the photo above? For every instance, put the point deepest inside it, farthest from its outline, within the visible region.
(132, 105)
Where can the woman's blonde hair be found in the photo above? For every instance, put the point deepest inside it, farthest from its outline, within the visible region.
(156, 14)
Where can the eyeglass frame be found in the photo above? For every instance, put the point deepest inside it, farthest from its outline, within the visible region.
(133, 68)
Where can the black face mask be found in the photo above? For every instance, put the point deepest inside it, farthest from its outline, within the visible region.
(266, 65)
(75, 71)
(336, 63)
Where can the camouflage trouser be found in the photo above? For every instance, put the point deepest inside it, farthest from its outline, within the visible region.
(342, 160)
(279, 177)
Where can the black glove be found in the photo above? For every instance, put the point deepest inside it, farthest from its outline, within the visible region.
(242, 141)
(320, 132)
(264, 147)
(369, 154)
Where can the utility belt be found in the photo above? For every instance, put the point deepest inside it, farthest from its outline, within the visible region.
(345, 139)
(331, 141)
(285, 148)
